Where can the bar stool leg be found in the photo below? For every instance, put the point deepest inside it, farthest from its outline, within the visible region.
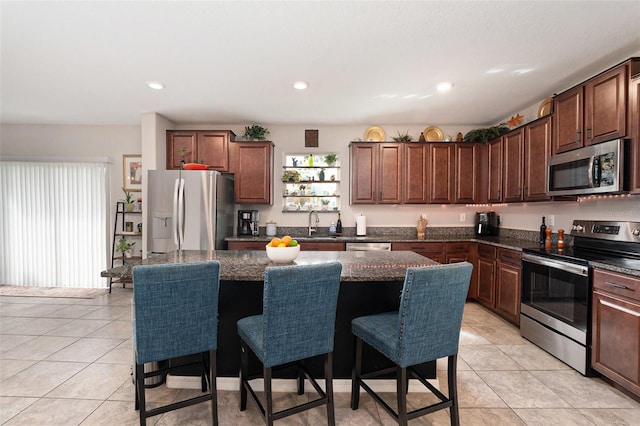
(300, 380)
(268, 396)
(453, 389)
(357, 371)
(140, 393)
(402, 395)
(244, 361)
(213, 387)
(328, 375)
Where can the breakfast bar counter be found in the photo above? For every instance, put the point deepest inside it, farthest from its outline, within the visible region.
(371, 283)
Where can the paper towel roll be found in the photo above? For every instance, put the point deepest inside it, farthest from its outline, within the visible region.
(361, 226)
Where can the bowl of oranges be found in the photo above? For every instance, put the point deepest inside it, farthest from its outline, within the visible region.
(283, 250)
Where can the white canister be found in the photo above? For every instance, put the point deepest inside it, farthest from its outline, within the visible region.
(271, 229)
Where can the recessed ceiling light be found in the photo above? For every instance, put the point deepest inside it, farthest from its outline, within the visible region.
(155, 85)
(300, 85)
(444, 86)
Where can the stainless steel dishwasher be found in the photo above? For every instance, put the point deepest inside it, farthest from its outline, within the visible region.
(368, 246)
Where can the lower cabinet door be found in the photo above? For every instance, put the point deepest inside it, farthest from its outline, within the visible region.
(616, 340)
(508, 292)
(486, 282)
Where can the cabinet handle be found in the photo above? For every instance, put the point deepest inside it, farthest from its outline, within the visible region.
(577, 135)
(588, 133)
(623, 287)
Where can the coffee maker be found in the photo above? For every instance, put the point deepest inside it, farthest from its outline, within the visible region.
(248, 222)
(487, 223)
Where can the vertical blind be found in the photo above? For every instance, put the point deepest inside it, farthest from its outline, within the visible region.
(54, 223)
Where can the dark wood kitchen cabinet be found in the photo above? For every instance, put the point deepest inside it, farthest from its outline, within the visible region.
(305, 246)
(416, 174)
(615, 345)
(252, 167)
(537, 149)
(441, 173)
(593, 112)
(494, 170)
(634, 114)
(513, 146)
(486, 275)
(210, 147)
(508, 291)
(434, 251)
(376, 173)
(469, 178)
(498, 281)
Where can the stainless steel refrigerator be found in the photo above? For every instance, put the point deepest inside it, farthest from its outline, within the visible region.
(189, 210)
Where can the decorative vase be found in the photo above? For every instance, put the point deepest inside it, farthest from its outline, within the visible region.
(128, 207)
(321, 175)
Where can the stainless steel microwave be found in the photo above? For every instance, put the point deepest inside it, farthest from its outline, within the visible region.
(595, 169)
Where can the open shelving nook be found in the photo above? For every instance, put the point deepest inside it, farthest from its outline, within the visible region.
(311, 182)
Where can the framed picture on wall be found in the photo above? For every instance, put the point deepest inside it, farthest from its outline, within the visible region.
(132, 172)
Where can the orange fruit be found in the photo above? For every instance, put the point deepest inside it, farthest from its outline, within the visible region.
(274, 242)
(286, 240)
(281, 245)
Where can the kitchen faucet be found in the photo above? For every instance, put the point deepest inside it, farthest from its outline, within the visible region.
(313, 228)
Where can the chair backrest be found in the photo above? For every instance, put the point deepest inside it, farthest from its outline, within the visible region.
(299, 311)
(175, 309)
(430, 314)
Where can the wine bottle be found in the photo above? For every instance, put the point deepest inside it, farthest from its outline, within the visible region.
(339, 225)
(543, 232)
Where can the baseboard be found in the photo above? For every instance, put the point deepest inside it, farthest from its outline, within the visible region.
(282, 385)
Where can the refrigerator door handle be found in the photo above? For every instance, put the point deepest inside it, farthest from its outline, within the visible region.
(181, 214)
(175, 224)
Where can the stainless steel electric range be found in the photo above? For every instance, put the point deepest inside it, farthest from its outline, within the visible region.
(555, 312)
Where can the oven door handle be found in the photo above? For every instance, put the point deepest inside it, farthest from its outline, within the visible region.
(557, 264)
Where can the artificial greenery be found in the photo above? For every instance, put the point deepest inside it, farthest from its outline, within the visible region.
(331, 159)
(403, 137)
(291, 176)
(128, 198)
(124, 245)
(255, 132)
(485, 135)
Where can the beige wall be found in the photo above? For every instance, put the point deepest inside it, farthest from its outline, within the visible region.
(114, 141)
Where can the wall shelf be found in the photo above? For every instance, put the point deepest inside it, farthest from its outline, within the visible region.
(311, 184)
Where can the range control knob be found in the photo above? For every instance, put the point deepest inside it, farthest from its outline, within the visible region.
(635, 232)
(578, 228)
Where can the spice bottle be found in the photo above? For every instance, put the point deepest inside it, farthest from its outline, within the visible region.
(560, 238)
(547, 241)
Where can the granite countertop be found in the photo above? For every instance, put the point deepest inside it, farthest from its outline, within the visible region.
(250, 265)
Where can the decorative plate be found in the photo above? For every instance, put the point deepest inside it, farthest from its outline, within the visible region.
(374, 134)
(545, 107)
(433, 134)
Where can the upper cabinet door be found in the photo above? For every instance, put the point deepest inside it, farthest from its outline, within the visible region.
(634, 162)
(513, 148)
(495, 171)
(253, 169)
(213, 149)
(416, 174)
(537, 148)
(441, 172)
(364, 159)
(605, 106)
(181, 145)
(567, 111)
(390, 173)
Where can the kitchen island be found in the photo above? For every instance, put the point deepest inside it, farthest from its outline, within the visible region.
(371, 282)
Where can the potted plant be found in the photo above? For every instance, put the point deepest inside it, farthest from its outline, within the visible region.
(485, 135)
(331, 159)
(303, 189)
(255, 133)
(291, 176)
(403, 137)
(325, 204)
(128, 200)
(125, 247)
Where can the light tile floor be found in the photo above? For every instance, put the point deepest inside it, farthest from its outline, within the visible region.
(67, 362)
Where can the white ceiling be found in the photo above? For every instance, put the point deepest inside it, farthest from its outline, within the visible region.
(234, 62)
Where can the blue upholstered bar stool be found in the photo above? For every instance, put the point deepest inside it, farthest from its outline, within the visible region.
(297, 322)
(426, 327)
(176, 314)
